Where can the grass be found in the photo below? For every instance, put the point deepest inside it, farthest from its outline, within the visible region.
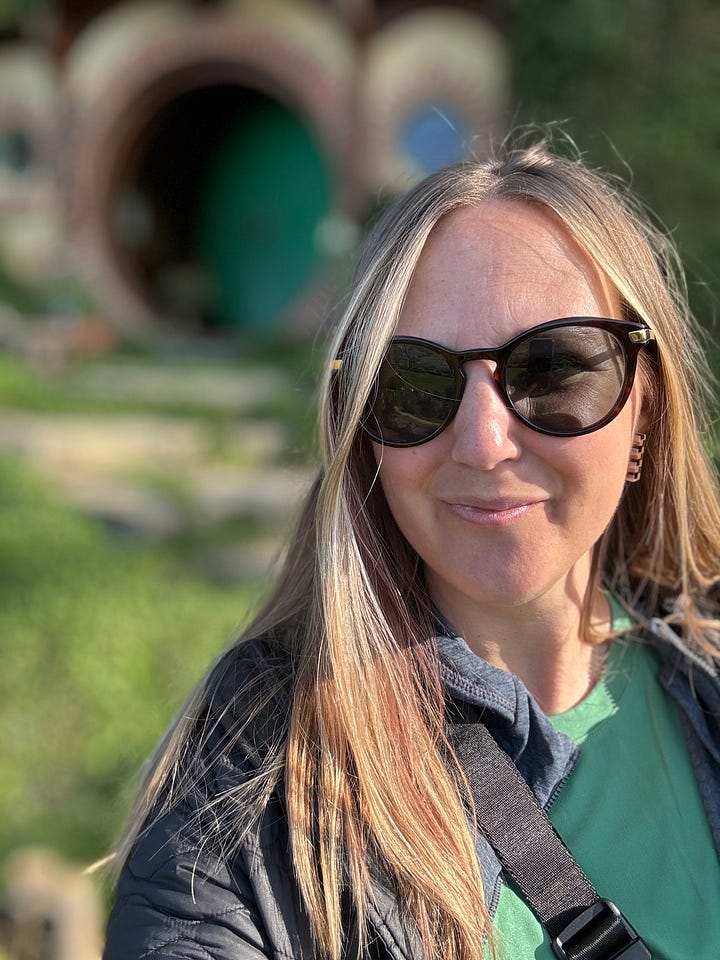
(102, 642)
(104, 637)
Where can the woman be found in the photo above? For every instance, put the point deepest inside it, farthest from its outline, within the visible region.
(516, 525)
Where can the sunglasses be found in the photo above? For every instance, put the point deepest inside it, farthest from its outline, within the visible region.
(563, 378)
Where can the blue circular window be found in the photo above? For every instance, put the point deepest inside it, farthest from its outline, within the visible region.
(434, 136)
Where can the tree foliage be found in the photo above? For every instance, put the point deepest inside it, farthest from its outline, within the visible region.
(637, 83)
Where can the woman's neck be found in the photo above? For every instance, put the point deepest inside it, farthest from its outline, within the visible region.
(541, 642)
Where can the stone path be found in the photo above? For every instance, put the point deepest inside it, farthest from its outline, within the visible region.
(155, 475)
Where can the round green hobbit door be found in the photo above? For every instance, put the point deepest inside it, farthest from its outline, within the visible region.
(264, 190)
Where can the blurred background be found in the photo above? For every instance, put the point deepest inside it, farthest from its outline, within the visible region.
(183, 186)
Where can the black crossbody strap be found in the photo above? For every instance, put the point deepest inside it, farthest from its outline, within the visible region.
(581, 924)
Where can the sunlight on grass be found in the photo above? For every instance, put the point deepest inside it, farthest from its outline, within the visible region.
(102, 641)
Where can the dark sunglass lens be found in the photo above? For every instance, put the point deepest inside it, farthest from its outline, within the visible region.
(415, 394)
(567, 379)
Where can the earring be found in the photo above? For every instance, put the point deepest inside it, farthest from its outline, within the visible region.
(635, 461)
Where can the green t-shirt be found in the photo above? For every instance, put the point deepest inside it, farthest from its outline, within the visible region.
(632, 815)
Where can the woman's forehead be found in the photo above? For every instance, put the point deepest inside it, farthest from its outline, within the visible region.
(498, 268)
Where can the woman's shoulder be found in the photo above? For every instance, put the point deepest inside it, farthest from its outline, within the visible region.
(252, 667)
(191, 878)
(248, 698)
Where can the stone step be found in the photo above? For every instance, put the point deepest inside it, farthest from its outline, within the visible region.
(212, 387)
(131, 442)
(156, 477)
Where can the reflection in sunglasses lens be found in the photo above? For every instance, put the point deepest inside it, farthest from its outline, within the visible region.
(416, 393)
(566, 381)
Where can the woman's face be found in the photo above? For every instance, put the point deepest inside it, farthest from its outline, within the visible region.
(502, 515)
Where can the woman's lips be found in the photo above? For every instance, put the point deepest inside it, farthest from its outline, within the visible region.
(492, 512)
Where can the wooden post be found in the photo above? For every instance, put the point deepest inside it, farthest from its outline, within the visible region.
(51, 909)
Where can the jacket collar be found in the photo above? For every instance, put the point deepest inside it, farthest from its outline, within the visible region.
(505, 706)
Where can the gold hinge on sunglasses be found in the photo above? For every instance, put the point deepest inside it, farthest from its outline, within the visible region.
(641, 336)
(337, 363)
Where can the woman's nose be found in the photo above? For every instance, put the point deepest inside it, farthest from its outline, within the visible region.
(484, 430)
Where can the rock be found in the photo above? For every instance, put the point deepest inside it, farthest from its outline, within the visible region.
(220, 492)
(52, 908)
(234, 562)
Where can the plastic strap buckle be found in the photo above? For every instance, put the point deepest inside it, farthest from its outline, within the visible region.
(600, 932)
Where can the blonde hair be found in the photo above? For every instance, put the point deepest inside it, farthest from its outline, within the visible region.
(367, 772)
